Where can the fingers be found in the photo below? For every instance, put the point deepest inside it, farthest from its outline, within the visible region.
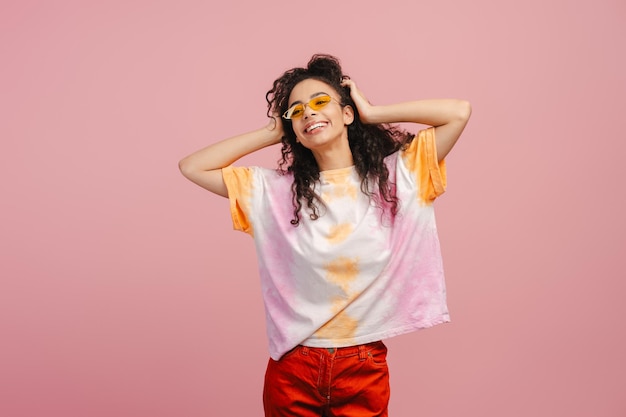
(363, 106)
(356, 94)
(354, 91)
(272, 123)
(347, 82)
(275, 125)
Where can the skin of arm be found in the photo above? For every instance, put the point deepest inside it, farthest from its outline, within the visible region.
(448, 116)
(204, 167)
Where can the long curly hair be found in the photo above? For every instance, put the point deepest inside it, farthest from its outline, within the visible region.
(369, 143)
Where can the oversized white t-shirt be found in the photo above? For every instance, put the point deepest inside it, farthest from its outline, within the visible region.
(354, 275)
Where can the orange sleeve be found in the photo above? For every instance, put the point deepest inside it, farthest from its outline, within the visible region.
(239, 182)
(420, 159)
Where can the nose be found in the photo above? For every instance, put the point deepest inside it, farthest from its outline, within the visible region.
(308, 111)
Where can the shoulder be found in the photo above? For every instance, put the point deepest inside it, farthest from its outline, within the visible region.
(258, 177)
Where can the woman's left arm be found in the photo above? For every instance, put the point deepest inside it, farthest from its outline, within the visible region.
(448, 116)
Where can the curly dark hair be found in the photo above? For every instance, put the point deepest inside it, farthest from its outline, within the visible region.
(369, 143)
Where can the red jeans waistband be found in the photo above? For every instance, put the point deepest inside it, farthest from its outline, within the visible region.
(342, 352)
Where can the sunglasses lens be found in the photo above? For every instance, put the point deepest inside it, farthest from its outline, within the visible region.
(294, 112)
(298, 110)
(319, 102)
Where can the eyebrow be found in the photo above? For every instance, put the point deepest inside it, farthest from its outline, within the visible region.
(320, 93)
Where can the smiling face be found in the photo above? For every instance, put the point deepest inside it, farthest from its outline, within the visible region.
(323, 131)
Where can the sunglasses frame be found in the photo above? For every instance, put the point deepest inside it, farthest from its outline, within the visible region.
(287, 115)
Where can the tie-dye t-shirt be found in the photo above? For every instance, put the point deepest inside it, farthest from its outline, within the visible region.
(354, 275)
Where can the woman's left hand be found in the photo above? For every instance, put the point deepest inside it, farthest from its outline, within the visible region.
(363, 106)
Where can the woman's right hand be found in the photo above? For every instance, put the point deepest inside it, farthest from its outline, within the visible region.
(204, 167)
(275, 126)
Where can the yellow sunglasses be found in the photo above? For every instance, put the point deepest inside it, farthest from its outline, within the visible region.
(297, 110)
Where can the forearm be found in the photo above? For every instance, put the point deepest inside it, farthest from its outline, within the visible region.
(203, 167)
(225, 152)
(448, 116)
(435, 112)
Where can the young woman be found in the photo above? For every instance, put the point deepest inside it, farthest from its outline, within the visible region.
(344, 230)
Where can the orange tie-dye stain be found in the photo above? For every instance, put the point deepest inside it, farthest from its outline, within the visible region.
(421, 158)
(342, 271)
(339, 233)
(240, 205)
(341, 326)
(340, 189)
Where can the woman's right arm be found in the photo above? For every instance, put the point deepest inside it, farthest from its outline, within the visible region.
(204, 167)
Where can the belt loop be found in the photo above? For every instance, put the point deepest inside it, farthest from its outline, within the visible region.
(305, 350)
(362, 353)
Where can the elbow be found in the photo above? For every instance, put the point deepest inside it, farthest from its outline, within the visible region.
(464, 110)
(184, 165)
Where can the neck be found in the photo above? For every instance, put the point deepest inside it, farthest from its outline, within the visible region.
(335, 157)
(326, 162)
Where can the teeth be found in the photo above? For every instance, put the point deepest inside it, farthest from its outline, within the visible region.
(315, 126)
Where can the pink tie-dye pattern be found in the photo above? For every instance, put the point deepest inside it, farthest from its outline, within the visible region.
(428, 285)
(399, 287)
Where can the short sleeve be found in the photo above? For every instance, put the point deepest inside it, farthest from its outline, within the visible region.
(420, 158)
(240, 182)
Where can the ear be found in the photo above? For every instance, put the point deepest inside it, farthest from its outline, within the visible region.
(348, 115)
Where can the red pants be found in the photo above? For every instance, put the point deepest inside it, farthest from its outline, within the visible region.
(320, 382)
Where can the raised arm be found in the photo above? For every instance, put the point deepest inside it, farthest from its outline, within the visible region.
(448, 116)
(204, 167)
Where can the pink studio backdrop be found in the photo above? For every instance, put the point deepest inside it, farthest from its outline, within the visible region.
(124, 291)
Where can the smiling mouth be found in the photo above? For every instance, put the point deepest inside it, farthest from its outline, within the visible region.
(314, 127)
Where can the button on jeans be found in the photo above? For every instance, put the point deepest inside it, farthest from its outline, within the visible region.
(328, 382)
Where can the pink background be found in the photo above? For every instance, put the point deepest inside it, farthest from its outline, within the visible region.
(124, 291)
